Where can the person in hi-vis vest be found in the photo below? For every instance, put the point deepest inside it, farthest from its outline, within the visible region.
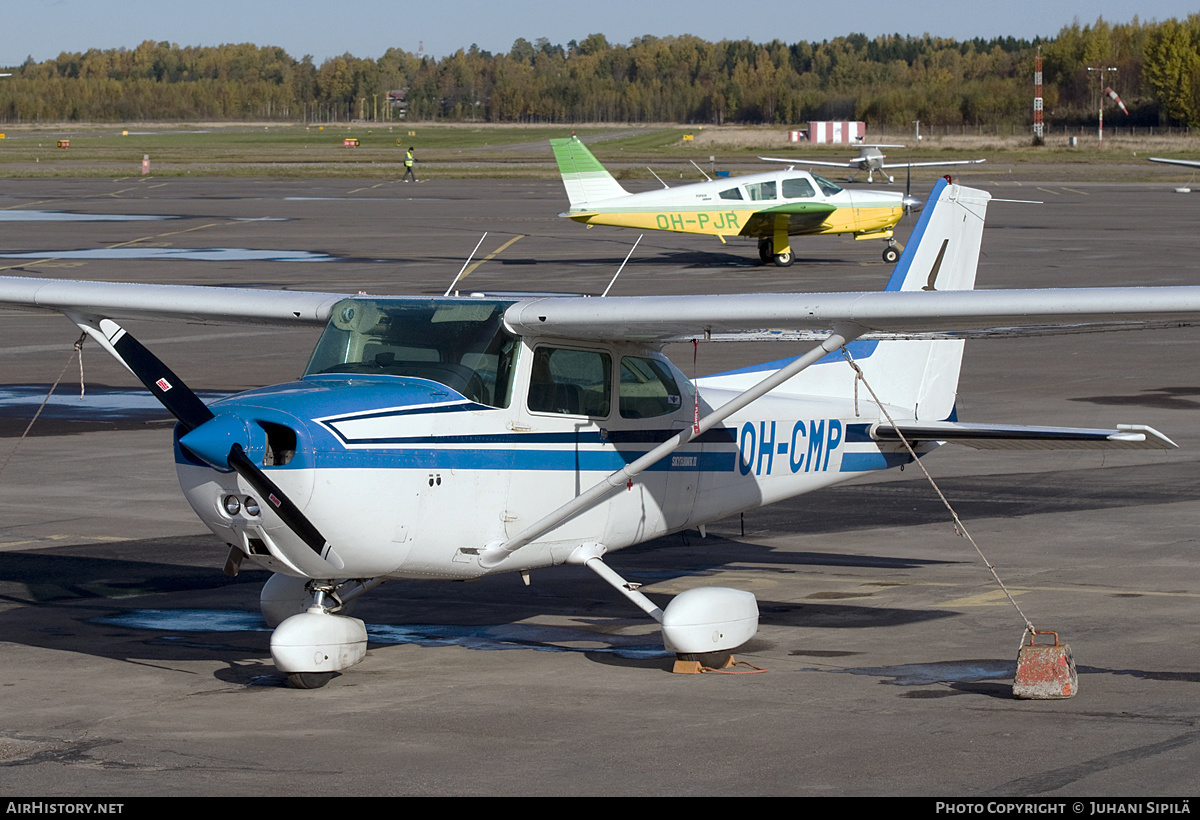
(409, 159)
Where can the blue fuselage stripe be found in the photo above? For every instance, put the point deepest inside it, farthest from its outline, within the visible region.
(864, 462)
(446, 458)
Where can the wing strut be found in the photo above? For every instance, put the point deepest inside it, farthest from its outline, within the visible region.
(496, 552)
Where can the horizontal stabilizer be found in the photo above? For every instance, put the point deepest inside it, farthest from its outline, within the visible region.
(1021, 437)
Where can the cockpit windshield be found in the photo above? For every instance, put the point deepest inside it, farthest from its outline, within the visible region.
(459, 343)
(827, 187)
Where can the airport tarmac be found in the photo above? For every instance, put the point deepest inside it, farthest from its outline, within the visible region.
(885, 654)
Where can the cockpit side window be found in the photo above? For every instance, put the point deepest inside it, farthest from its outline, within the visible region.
(571, 382)
(761, 190)
(731, 193)
(798, 188)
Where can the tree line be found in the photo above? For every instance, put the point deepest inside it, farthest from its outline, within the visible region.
(889, 81)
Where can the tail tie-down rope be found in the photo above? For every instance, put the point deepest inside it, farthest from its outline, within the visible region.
(960, 529)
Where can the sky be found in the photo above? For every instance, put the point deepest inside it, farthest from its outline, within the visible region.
(367, 28)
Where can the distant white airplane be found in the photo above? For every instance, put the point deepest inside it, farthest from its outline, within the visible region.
(870, 159)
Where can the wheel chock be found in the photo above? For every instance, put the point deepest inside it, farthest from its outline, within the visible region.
(1046, 671)
(683, 667)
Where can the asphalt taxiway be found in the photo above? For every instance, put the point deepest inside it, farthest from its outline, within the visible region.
(133, 667)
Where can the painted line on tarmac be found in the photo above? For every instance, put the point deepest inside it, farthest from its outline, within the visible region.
(471, 269)
(55, 540)
(141, 239)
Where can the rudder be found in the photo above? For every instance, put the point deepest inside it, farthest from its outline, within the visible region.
(586, 180)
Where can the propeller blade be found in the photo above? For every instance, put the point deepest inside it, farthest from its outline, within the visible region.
(911, 206)
(288, 512)
(162, 383)
(191, 412)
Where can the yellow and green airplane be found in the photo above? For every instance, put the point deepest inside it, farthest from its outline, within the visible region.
(772, 206)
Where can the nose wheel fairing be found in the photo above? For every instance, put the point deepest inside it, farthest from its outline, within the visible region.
(312, 645)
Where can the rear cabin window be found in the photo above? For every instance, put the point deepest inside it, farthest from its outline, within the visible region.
(730, 193)
(648, 389)
(570, 382)
(798, 188)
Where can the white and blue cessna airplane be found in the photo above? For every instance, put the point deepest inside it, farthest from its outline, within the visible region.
(453, 438)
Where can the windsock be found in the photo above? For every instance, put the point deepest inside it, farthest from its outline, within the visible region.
(1116, 99)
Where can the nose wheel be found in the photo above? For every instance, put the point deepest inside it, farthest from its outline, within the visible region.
(309, 680)
(891, 253)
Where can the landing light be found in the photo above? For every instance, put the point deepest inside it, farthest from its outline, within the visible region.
(233, 505)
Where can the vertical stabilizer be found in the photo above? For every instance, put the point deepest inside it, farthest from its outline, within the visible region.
(943, 251)
(917, 377)
(584, 177)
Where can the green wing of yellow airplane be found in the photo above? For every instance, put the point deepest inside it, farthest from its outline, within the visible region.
(770, 206)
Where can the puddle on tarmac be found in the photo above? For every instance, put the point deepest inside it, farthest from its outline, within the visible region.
(191, 254)
(543, 638)
(67, 216)
(65, 403)
(188, 620)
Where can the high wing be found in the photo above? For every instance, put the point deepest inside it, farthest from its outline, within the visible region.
(885, 315)
(123, 300)
(1190, 163)
(889, 314)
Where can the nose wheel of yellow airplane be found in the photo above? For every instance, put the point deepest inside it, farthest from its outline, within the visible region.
(891, 253)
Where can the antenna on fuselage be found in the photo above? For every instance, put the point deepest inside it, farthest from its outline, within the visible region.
(701, 170)
(464, 267)
(618, 273)
(656, 176)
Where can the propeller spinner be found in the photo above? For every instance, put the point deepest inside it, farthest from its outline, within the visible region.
(216, 439)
